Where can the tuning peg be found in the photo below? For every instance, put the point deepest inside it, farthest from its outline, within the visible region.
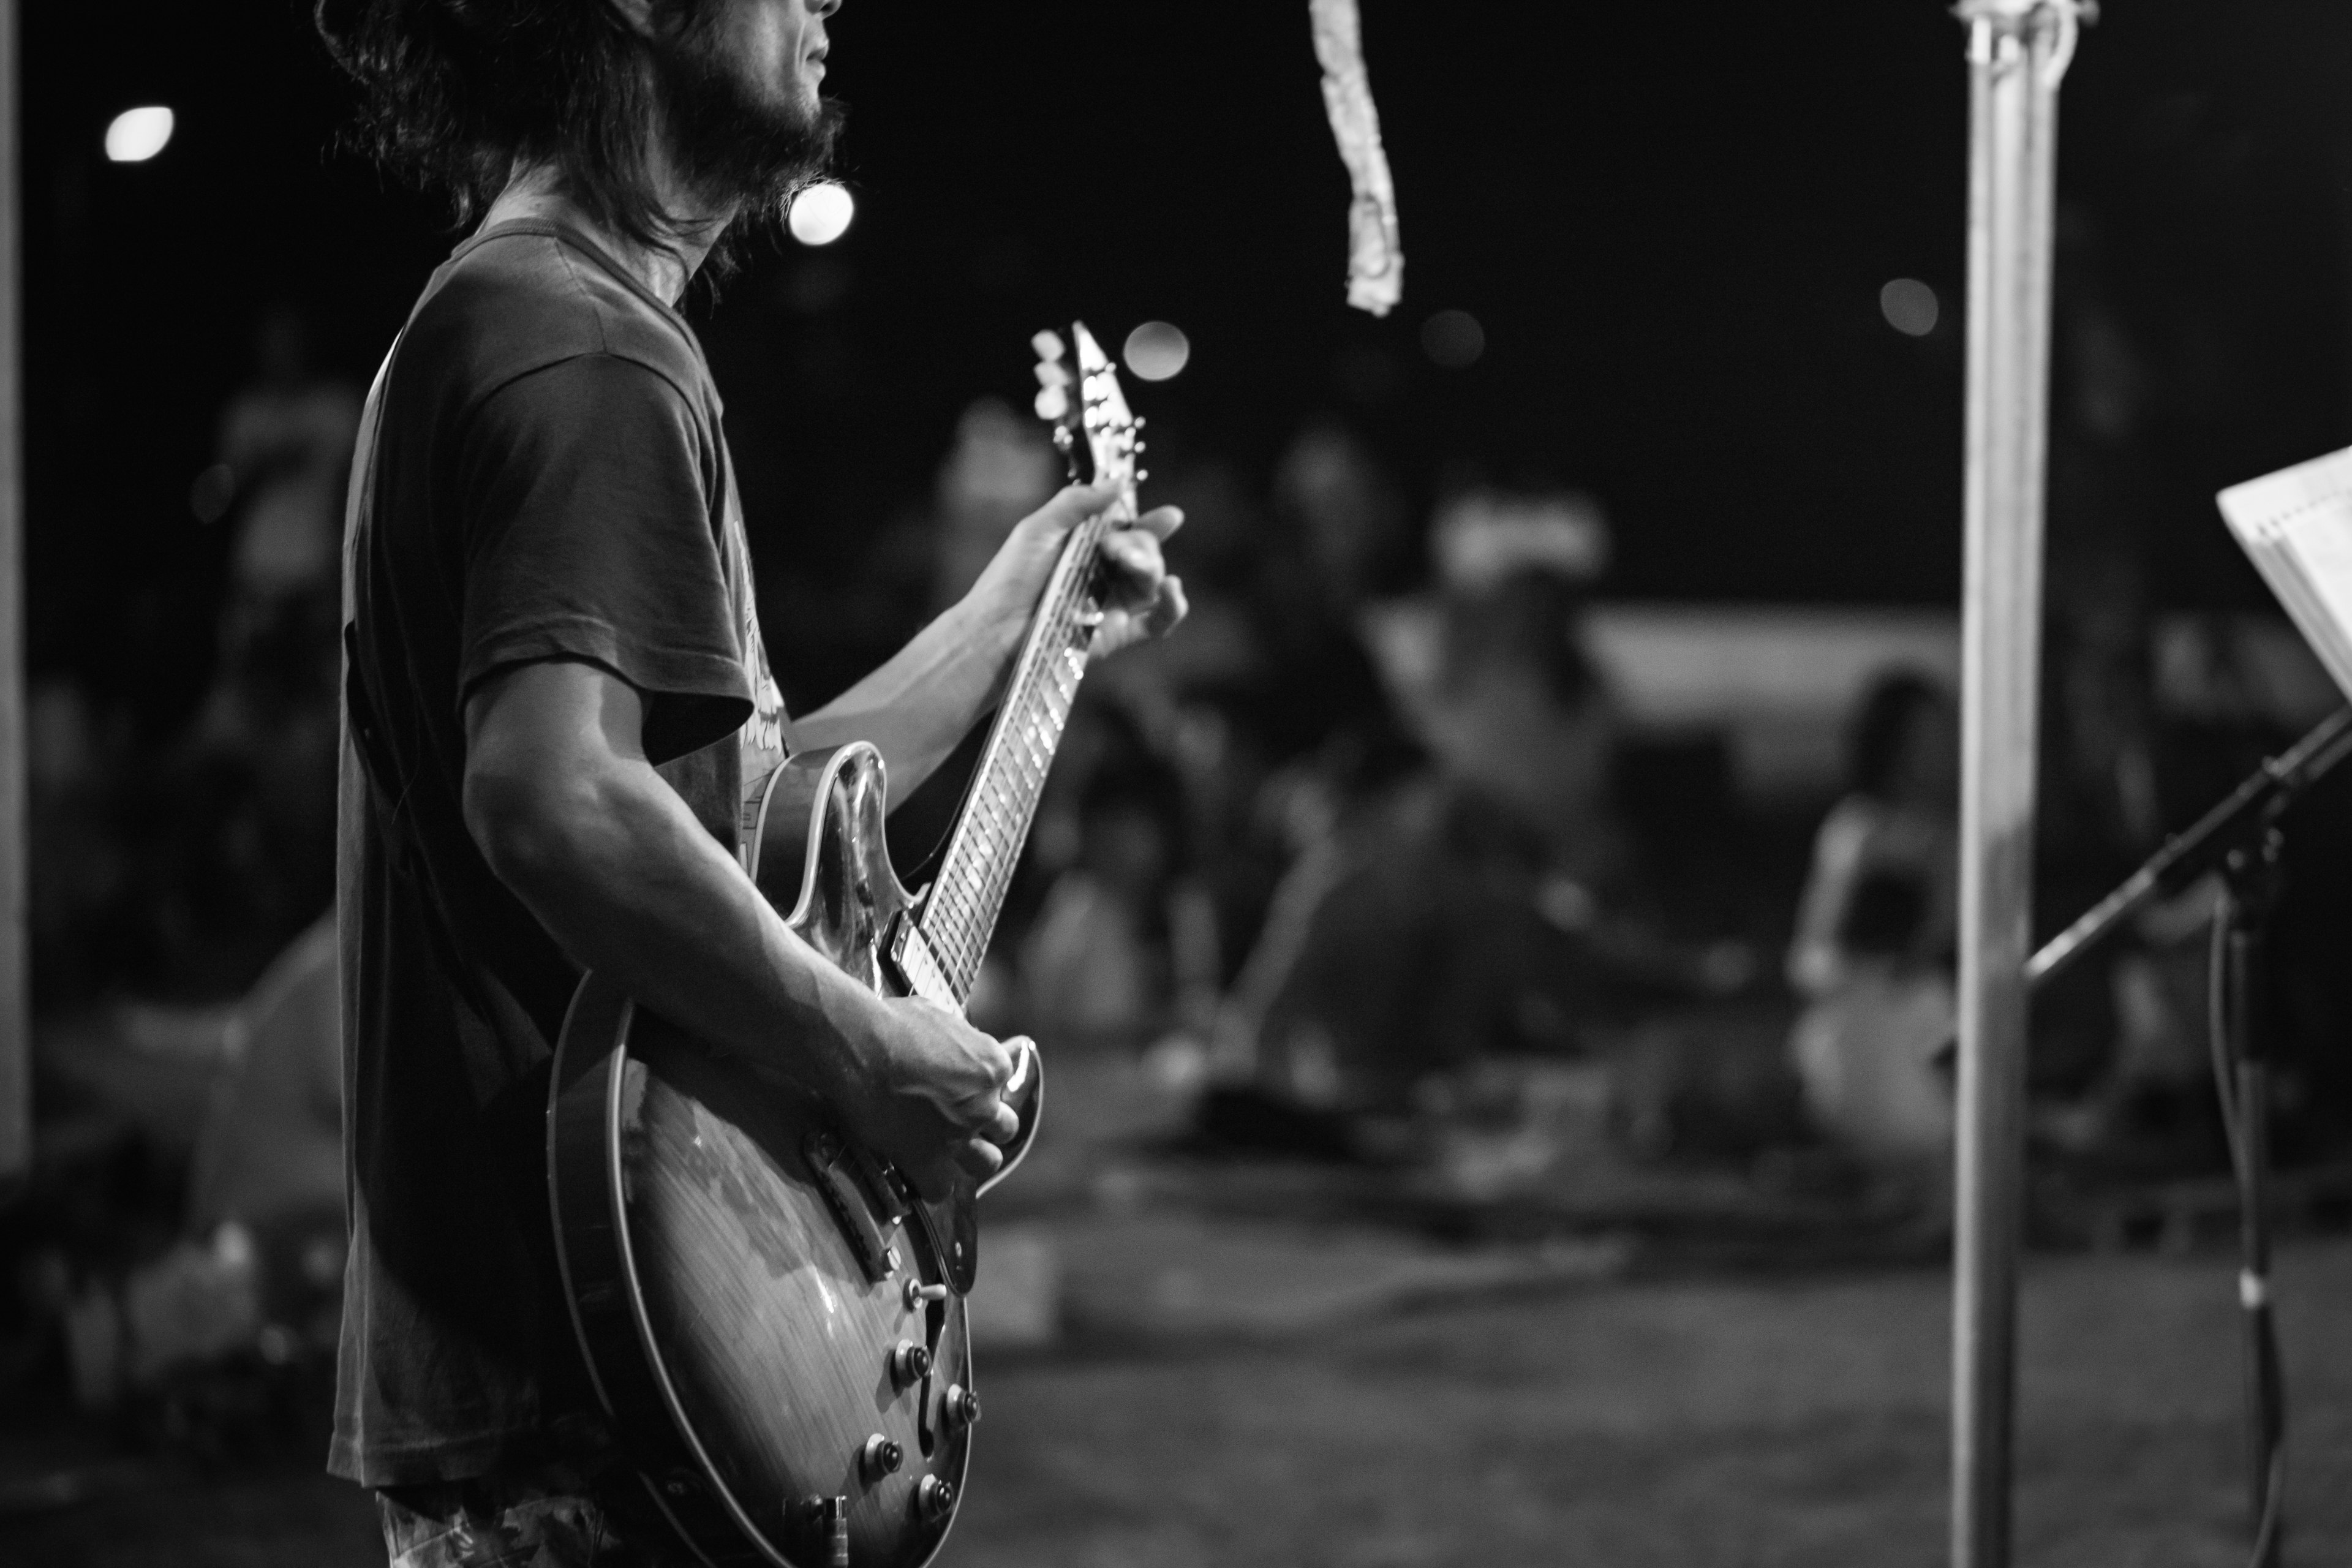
(1049, 345)
(1052, 403)
(1142, 475)
(1050, 374)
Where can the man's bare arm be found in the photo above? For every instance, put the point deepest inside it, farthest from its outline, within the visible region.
(916, 707)
(606, 854)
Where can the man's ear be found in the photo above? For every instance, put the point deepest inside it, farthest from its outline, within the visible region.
(637, 15)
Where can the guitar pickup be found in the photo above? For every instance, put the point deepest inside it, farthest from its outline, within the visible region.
(833, 1164)
(919, 967)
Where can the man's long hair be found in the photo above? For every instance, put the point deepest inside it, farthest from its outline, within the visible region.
(455, 94)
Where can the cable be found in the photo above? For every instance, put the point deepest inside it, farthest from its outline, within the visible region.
(2273, 1494)
(2219, 995)
(2217, 1037)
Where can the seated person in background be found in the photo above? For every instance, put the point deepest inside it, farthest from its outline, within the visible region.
(1873, 949)
(1464, 915)
(1124, 939)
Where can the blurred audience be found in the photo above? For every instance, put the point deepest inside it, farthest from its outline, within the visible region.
(1487, 904)
(1872, 952)
(1123, 945)
(1370, 863)
(1001, 468)
(233, 827)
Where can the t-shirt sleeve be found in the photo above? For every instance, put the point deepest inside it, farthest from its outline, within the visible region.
(590, 535)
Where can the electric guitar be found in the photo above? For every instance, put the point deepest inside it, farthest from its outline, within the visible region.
(774, 1319)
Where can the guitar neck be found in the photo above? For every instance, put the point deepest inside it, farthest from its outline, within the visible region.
(959, 914)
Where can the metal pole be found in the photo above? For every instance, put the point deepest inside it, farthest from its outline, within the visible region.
(15, 1000)
(2018, 52)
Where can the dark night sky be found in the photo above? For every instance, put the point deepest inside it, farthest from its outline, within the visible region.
(1672, 221)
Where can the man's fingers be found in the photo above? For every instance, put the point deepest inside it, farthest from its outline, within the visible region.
(1137, 556)
(979, 1158)
(1161, 520)
(1168, 608)
(1073, 504)
(1002, 1125)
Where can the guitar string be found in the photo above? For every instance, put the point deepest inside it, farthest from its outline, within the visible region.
(1044, 687)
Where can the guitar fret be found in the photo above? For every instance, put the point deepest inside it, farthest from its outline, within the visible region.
(984, 853)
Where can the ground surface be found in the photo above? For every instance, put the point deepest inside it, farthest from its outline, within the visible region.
(1677, 1422)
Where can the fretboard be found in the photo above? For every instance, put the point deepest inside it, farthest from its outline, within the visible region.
(960, 913)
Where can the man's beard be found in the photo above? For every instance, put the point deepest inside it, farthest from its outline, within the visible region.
(734, 145)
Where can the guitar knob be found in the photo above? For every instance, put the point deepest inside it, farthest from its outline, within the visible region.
(880, 1457)
(960, 1407)
(909, 1364)
(934, 1498)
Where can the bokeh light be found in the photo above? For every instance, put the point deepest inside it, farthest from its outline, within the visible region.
(1453, 338)
(137, 134)
(212, 493)
(821, 214)
(1157, 350)
(1910, 307)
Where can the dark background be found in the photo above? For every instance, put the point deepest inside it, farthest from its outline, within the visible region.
(1673, 222)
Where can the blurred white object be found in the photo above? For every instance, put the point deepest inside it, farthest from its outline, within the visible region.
(272, 1145)
(821, 213)
(1177, 1067)
(1868, 1056)
(1909, 306)
(1017, 1305)
(1157, 350)
(197, 1302)
(1375, 256)
(1001, 468)
(1085, 972)
(1484, 536)
(136, 135)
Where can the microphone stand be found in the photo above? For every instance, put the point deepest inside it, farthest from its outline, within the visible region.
(2240, 839)
(2252, 806)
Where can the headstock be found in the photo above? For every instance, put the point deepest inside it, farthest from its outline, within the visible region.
(1092, 423)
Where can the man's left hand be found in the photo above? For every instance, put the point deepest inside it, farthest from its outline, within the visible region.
(1140, 597)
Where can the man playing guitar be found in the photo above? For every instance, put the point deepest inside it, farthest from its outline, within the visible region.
(559, 700)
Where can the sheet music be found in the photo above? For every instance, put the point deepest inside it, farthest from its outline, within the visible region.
(2296, 527)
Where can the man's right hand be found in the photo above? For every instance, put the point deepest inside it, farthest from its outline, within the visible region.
(929, 1095)
(610, 861)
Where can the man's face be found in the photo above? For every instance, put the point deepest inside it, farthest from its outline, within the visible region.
(776, 46)
(738, 83)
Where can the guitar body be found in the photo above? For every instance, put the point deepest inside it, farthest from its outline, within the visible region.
(717, 1240)
(775, 1323)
